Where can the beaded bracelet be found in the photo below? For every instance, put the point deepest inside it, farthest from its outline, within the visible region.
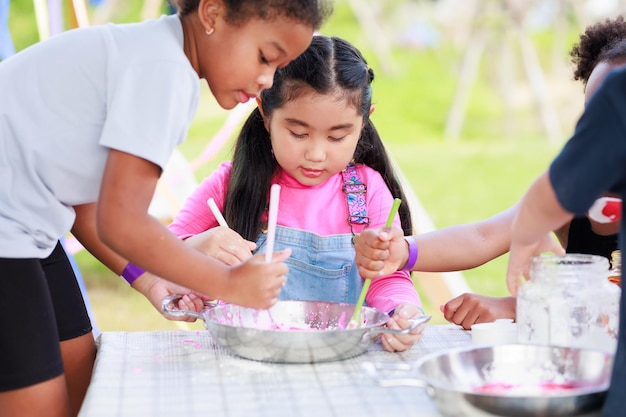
(413, 252)
(131, 272)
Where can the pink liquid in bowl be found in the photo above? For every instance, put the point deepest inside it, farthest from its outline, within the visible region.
(541, 388)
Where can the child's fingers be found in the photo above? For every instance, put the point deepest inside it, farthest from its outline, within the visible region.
(369, 269)
(280, 256)
(196, 303)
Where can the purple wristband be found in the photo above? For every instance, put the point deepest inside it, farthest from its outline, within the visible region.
(131, 273)
(410, 263)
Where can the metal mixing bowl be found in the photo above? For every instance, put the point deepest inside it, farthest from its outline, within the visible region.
(293, 331)
(509, 380)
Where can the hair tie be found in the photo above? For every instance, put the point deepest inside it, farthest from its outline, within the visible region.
(370, 73)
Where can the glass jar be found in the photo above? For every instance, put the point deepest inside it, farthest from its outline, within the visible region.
(569, 302)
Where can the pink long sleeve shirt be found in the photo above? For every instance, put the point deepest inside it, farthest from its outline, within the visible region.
(321, 209)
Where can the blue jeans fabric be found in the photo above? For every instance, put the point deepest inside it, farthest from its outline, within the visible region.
(320, 267)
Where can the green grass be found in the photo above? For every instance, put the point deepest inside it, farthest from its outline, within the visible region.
(457, 182)
(463, 183)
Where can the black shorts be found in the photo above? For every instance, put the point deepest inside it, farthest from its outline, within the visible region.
(40, 305)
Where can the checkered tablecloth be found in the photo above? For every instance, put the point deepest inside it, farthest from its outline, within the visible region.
(186, 373)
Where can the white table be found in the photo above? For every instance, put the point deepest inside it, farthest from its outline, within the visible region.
(185, 373)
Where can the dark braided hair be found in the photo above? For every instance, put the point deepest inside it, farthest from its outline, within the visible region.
(599, 43)
(328, 66)
(311, 12)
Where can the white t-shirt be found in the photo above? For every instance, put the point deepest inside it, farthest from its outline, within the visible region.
(66, 101)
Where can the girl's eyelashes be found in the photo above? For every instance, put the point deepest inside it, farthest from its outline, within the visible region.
(298, 135)
(263, 59)
(305, 135)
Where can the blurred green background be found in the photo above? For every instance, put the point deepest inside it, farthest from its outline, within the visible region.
(418, 50)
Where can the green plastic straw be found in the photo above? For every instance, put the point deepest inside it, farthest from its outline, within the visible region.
(355, 322)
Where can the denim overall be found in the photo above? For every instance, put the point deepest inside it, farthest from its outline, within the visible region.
(323, 267)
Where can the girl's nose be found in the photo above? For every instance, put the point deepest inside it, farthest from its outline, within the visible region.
(315, 153)
(266, 79)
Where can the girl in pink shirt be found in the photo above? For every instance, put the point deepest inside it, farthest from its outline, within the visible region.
(312, 134)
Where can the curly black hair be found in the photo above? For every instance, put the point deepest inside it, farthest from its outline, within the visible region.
(599, 42)
(311, 12)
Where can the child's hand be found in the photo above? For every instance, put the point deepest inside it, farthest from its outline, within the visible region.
(400, 320)
(256, 283)
(549, 244)
(380, 252)
(520, 256)
(190, 302)
(468, 309)
(155, 289)
(223, 244)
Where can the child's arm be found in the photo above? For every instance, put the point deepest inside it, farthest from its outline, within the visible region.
(123, 224)
(397, 291)
(84, 229)
(464, 246)
(453, 248)
(386, 293)
(151, 286)
(539, 210)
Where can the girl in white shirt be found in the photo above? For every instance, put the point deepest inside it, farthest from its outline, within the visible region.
(88, 120)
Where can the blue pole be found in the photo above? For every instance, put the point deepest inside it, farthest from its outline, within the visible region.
(6, 42)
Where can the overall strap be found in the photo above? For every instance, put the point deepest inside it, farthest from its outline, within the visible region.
(355, 191)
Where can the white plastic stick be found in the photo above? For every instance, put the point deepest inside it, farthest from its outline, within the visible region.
(216, 212)
(271, 221)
